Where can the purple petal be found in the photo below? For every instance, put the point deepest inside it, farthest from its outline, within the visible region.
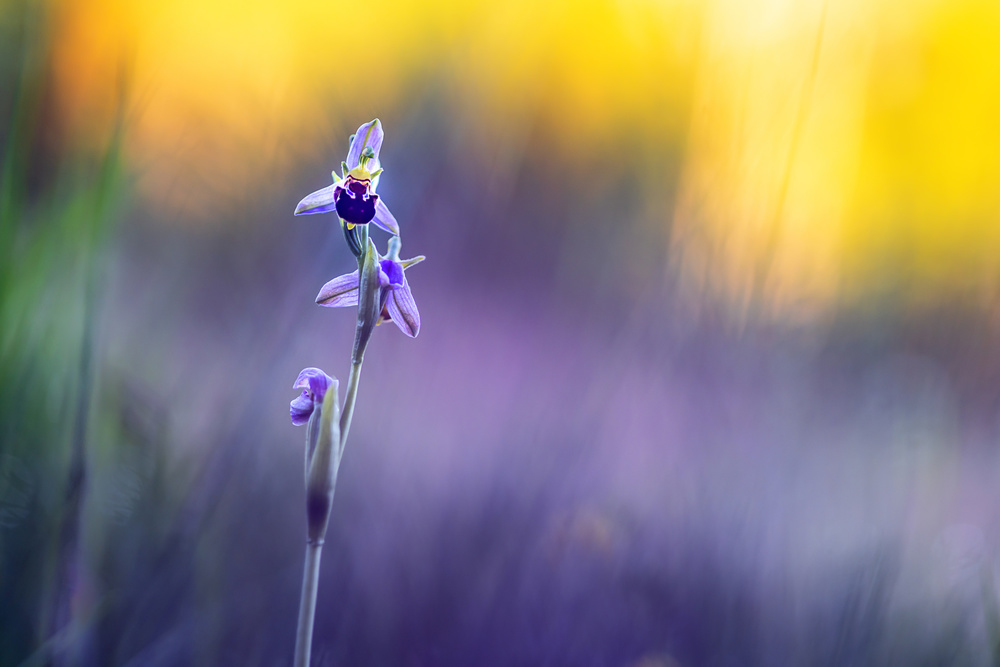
(393, 272)
(369, 134)
(403, 310)
(383, 281)
(314, 384)
(384, 219)
(320, 201)
(301, 409)
(315, 381)
(341, 291)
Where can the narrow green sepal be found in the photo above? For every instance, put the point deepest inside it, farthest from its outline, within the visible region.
(407, 263)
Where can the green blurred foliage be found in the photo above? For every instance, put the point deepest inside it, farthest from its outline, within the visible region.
(57, 214)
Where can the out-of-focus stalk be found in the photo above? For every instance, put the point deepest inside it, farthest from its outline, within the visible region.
(321, 481)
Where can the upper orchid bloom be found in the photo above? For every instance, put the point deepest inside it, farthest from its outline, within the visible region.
(352, 194)
(395, 298)
(314, 384)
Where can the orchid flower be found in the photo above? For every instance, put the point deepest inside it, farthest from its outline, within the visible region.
(314, 384)
(395, 298)
(381, 293)
(352, 194)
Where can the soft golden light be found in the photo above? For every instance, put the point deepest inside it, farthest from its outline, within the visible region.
(827, 145)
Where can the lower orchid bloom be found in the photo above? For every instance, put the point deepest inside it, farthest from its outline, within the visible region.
(352, 194)
(395, 298)
(314, 384)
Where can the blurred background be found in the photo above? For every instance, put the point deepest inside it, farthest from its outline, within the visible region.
(708, 372)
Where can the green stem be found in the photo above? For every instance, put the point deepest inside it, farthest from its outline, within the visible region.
(314, 545)
(348, 412)
(307, 605)
(323, 464)
(321, 480)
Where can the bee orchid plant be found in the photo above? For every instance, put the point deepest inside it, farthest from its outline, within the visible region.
(381, 293)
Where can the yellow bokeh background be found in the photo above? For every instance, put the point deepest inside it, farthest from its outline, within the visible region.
(829, 149)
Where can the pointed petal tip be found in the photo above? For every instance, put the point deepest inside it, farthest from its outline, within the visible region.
(403, 310)
(410, 330)
(413, 261)
(321, 201)
(384, 219)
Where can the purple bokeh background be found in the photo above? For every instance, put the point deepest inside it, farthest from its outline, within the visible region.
(574, 463)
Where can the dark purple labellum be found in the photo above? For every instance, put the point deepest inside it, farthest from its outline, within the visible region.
(355, 204)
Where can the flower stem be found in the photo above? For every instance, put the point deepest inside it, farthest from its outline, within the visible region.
(307, 604)
(321, 481)
(314, 545)
(323, 464)
(352, 393)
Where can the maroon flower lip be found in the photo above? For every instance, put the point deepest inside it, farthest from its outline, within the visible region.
(356, 203)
